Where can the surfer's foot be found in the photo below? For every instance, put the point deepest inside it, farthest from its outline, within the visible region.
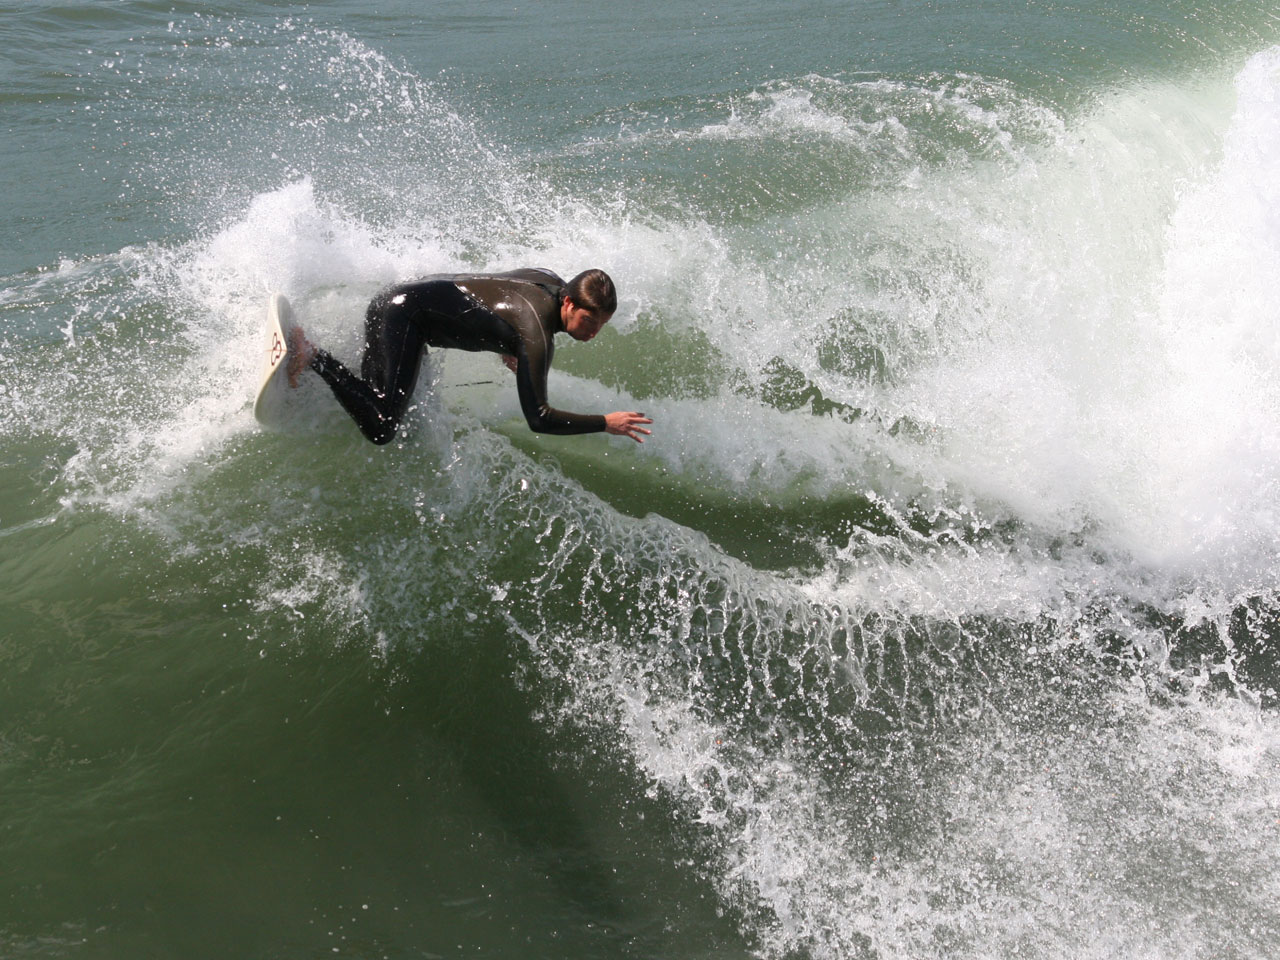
(301, 353)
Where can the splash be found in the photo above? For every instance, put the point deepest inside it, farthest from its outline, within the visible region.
(987, 392)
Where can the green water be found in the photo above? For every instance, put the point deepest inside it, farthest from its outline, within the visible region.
(936, 619)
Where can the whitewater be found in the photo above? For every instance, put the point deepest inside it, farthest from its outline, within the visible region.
(936, 619)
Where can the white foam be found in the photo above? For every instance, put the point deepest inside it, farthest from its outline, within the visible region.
(1089, 374)
(1053, 320)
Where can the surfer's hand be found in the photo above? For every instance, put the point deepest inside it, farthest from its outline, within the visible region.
(622, 424)
(511, 362)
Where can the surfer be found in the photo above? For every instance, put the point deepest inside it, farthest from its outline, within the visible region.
(516, 314)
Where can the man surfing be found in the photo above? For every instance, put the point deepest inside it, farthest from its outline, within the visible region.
(515, 314)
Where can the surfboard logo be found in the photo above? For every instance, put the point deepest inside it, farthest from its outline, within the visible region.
(271, 403)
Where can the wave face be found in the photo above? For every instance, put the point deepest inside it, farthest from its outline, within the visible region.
(936, 619)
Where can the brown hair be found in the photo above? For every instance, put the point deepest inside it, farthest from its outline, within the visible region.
(593, 290)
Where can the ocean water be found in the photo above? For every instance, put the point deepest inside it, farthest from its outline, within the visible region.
(937, 619)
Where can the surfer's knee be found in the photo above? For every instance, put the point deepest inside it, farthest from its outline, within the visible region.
(381, 433)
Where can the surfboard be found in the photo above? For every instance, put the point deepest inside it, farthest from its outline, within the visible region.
(275, 404)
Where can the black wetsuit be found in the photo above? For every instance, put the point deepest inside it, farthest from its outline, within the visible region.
(515, 313)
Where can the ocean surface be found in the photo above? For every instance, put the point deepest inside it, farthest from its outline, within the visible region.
(939, 617)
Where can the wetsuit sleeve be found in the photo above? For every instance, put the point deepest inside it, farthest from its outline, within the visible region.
(531, 384)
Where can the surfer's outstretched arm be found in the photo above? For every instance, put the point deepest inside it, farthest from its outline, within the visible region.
(531, 385)
(621, 423)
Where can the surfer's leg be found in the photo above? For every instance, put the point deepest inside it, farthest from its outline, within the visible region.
(395, 339)
(394, 344)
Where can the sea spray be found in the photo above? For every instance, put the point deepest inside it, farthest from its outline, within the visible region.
(935, 620)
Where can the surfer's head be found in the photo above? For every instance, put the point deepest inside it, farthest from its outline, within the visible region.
(589, 301)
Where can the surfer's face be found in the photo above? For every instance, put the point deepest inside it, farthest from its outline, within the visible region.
(579, 322)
